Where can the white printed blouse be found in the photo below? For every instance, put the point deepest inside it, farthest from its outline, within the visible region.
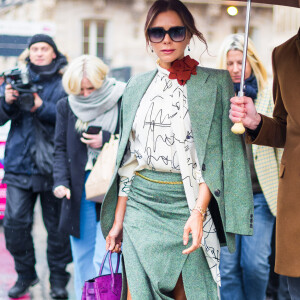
(162, 140)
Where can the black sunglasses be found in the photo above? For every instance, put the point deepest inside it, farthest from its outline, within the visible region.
(157, 34)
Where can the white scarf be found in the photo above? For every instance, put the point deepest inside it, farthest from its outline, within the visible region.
(100, 108)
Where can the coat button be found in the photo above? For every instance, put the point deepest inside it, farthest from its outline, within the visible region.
(217, 193)
(203, 167)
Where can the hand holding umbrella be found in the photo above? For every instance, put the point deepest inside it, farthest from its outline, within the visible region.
(243, 108)
(238, 128)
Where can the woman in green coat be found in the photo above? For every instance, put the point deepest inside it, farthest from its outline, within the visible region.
(181, 187)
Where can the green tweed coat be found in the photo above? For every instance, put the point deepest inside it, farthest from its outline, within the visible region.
(221, 153)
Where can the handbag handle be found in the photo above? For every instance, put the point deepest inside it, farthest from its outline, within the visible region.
(113, 137)
(110, 266)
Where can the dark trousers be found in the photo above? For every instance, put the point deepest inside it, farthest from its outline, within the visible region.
(18, 222)
(278, 285)
(294, 287)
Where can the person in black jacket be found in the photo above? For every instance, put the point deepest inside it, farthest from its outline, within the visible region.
(93, 101)
(28, 169)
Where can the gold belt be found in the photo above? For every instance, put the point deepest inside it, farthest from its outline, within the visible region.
(158, 181)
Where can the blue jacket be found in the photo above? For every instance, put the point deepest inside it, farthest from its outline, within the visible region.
(21, 136)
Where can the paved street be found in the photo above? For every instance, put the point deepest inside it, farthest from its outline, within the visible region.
(8, 274)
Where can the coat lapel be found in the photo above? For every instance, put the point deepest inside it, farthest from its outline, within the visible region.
(131, 100)
(201, 92)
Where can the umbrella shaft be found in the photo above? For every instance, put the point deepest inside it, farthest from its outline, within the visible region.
(241, 92)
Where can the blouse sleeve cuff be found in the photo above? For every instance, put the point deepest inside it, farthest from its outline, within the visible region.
(199, 177)
(125, 184)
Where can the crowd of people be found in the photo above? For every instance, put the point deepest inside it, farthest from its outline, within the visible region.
(191, 205)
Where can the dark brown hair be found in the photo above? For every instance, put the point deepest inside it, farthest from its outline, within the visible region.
(185, 15)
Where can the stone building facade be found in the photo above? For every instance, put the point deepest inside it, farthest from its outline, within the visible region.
(113, 29)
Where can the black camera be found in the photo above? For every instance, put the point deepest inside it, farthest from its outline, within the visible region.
(20, 81)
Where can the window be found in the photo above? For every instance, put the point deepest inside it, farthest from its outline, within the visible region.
(241, 29)
(93, 37)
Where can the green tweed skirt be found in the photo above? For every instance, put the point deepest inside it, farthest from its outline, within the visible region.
(152, 243)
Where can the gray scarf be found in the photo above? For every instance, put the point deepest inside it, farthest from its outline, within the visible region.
(100, 107)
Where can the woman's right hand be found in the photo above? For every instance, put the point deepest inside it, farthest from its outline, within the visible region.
(62, 191)
(115, 238)
(93, 140)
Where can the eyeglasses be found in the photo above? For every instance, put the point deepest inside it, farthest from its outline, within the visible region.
(157, 34)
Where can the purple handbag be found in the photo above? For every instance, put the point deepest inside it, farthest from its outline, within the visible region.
(104, 287)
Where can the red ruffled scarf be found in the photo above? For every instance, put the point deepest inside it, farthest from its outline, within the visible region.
(182, 69)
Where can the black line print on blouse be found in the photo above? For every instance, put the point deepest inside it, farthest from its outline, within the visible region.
(188, 180)
(157, 122)
(165, 159)
(168, 85)
(137, 154)
(165, 80)
(155, 125)
(193, 165)
(126, 184)
(209, 228)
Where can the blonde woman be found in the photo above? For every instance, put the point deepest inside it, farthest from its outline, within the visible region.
(245, 273)
(92, 103)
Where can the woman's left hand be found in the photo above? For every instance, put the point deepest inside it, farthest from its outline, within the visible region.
(194, 225)
(93, 140)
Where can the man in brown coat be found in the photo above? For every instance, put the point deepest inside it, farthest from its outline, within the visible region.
(283, 130)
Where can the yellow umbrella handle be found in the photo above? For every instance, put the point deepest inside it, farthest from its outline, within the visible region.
(238, 128)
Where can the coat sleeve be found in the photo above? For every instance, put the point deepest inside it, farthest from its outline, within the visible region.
(273, 130)
(47, 111)
(7, 112)
(61, 170)
(238, 196)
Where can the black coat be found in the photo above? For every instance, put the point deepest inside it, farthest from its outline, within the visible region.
(70, 158)
(21, 138)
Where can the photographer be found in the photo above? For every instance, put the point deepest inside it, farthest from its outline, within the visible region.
(28, 166)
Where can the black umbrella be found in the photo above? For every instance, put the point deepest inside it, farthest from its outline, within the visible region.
(238, 128)
(294, 3)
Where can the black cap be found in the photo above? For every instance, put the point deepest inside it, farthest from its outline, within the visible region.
(38, 38)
